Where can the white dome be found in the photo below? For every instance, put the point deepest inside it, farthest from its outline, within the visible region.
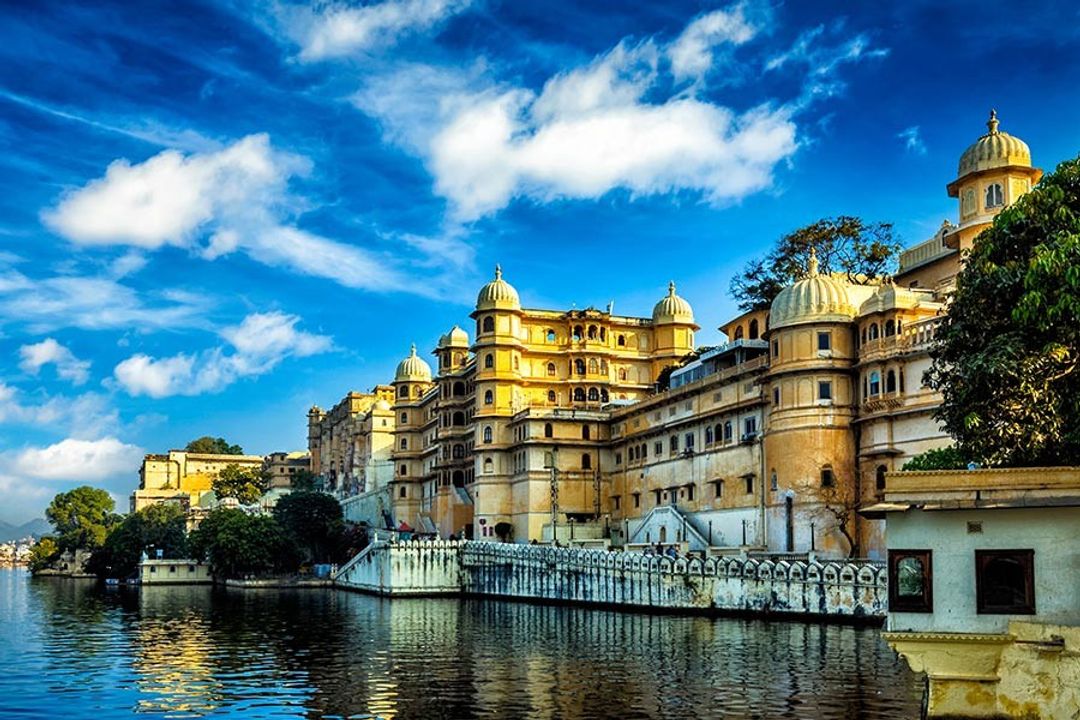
(498, 295)
(455, 338)
(413, 369)
(672, 309)
(814, 299)
(995, 149)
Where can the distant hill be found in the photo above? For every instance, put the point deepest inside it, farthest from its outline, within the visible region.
(37, 528)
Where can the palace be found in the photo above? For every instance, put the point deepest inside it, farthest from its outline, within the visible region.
(548, 424)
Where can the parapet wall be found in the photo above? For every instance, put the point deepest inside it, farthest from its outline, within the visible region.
(528, 572)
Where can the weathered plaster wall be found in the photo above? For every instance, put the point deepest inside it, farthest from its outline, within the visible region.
(735, 584)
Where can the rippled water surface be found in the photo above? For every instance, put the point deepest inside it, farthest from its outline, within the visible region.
(69, 649)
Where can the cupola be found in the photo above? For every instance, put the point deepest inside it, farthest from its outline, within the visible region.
(455, 338)
(413, 369)
(815, 298)
(498, 295)
(672, 309)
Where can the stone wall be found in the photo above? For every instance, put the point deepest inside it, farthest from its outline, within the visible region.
(529, 572)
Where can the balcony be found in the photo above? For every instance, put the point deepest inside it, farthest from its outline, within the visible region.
(915, 337)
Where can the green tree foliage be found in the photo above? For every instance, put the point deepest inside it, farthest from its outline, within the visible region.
(863, 251)
(1005, 356)
(213, 446)
(247, 485)
(157, 527)
(82, 517)
(946, 458)
(43, 554)
(236, 544)
(305, 480)
(314, 521)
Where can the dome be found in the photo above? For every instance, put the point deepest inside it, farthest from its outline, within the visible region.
(889, 297)
(672, 309)
(498, 295)
(995, 149)
(814, 299)
(413, 369)
(455, 338)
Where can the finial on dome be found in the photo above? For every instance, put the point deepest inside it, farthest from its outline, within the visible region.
(498, 271)
(992, 123)
(412, 353)
(671, 288)
(812, 266)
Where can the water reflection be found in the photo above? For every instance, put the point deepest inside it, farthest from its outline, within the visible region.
(196, 651)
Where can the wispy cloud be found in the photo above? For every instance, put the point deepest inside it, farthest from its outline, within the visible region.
(50, 352)
(336, 30)
(693, 53)
(88, 415)
(258, 344)
(912, 139)
(821, 53)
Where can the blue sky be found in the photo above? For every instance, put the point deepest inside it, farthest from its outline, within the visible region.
(213, 215)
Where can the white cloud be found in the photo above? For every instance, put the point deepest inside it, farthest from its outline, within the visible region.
(87, 415)
(76, 460)
(692, 53)
(912, 139)
(215, 203)
(336, 30)
(820, 60)
(258, 344)
(49, 351)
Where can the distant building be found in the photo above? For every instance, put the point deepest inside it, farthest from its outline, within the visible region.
(173, 572)
(281, 467)
(183, 478)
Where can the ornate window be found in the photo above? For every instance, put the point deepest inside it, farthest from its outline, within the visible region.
(995, 197)
(875, 383)
(594, 395)
(487, 434)
(911, 581)
(594, 367)
(592, 332)
(579, 367)
(708, 435)
(873, 331)
(551, 396)
(579, 395)
(489, 324)
(550, 335)
(738, 333)
(551, 369)
(621, 341)
(967, 205)
(577, 332)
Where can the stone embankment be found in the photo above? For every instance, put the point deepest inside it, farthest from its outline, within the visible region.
(731, 584)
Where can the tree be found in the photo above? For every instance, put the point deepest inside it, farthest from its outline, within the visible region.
(247, 485)
(213, 446)
(157, 527)
(1005, 356)
(304, 480)
(946, 458)
(863, 251)
(235, 543)
(313, 520)
(842, 506)
(43, 554)
(82, 517)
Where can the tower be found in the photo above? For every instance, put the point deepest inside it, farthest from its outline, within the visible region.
(673, 330)
(411, 381)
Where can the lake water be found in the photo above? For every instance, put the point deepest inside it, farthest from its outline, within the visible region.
(69, 649)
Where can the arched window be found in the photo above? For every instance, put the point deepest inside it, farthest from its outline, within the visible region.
(727, 431)
(417, 392)
(900, 386)
(549, 431)
(890, 381)
(458, 478)
(403, 391)
(738, 333)
(404, 444)
(879, 477)
(828, 480)
(551, 369)
(579, 367)
(458, 419)
(644, 451)
(718, 432)
(551, 396)
(594, 395)
(621, 341)
(487, 434)
(459, 389)
(754, 329)
(489, 397)
(403, 470)
(708, 435)
(890, 328)
(489, 361)
(405, 417)
(586, 461)
(594, 367)
(994, 196)
(550, 335)
(622, 374)
(864, 335)
(459, 451)
(603, 335)
(585, 432)
(577, 332)
(489, 324)
(579, 395)
(873, 331)
(603, 395)
(489, 466)
(592, 332)
(875, 383)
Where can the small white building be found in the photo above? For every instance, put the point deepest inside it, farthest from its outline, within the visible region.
(984, 587)
(174, 572)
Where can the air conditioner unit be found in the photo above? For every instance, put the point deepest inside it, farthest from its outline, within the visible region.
(749, 437)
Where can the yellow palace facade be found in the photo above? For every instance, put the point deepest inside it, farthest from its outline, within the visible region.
(547, 423)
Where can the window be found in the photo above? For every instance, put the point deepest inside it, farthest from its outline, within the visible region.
(824, 390)
(458, 419)
(874, 331)
(828, 480)
(403, 492)
(586, 461)
(718, 489)
(489, 397)
(592, 332)
(550, 335)
(621, 341)
(549, 431)
(708, 435)
(689, 441)
(403, 470)
(644, 450)
(824, 341)
(1005, 582)
(727, 431)
(690, 492)
(584, 432)
(776, 348)
(489, 361)
(754, 329)
(579, 395)
(750, 426)
(403, 391)
(459, 389)
(776, 396)
(405, 418)
(879, 477)
(489, 466)
(551, 396)
(577, 332)
(911, 583)
(551, 369)
(594, 367)
(994, 196)
(774, 483)
(579, 367)
(673, 444)
(615, 499)
(404, 444)
(637, 499)
(875, 383)
(890, 381)
(458, 452)
(890, 328)
(489, 324)
(749, 484)
(594, 395)
(658, 448)
(738, 333)
(487, 434)
(618, 458)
